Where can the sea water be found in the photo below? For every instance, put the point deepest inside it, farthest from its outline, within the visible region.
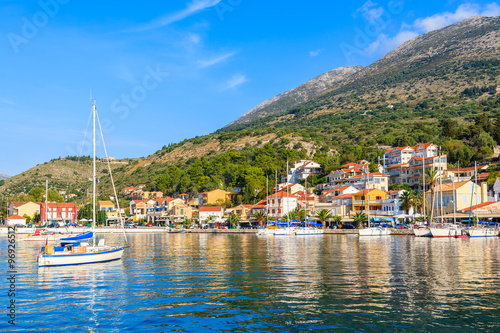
(245, 283)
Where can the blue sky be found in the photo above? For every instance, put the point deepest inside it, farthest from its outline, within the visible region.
(164, 72)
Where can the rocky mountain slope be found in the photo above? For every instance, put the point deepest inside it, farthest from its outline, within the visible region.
(301, 94)
(2, 176)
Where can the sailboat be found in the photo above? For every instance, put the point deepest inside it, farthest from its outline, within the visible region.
(82, 248)
(307, 228)
(483, 228)
(372, 230)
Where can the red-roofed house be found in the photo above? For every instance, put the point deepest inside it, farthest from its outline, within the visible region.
(368, 200)
(15, 220)
(302, 170)
(243, 211)
(65, 212)
(328, 195)
(281, 203)
(485, 207)
(206, 211)
(24, 208)
(290, 187)
(306, 200)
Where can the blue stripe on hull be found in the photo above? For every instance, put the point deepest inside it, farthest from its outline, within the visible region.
(83, 263)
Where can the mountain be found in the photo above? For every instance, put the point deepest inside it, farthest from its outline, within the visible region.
(3, 177)
(301, 94)
(440, 62)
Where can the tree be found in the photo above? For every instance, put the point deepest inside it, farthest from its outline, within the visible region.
(233, 219)
(407, 201)
(259, 216)
(337, 219)
(359, 218)
(324, 215)
(448, 127)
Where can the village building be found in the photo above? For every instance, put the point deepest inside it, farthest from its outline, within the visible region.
(243, 211)
(58, 212)
(281, 203)
(28, 208)
(207, 211)
(369, 201)
(109, 208)
(15, 220)
(214, 197)
(302, 170)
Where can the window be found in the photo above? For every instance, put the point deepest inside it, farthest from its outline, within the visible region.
(464, 198)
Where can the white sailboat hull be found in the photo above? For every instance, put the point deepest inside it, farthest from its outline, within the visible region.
(308, 231)
(375, 231)
(448, 232)
(422, 232)
(276, 232)
(483, 232)
(65, 259)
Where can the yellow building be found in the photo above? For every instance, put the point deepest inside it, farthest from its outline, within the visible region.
(361, 202)
(453, 197)
(24, 208)
(214, 197)
(109, 208)
(243, 211)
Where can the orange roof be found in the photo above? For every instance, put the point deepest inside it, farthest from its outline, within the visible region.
(481, 205)
(106, 203)
(449, 187)
(59, 204)
(210, 209)
(16, 217)
(467, 168)
(397, 165)
(348, 195)
(282, 194)
(16, 204)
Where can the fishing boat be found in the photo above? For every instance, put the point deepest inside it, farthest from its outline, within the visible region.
(83, 248)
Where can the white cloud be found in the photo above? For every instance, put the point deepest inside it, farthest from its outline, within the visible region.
(211, 62)
(384, 43)
(370, 11)
(192, 8)
(491, 9)
(441, 20)
(235, 81)
(315, 53)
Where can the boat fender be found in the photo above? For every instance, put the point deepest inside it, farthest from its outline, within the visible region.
(50, 249)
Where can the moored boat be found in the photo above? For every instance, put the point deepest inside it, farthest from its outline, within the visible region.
(375, 231)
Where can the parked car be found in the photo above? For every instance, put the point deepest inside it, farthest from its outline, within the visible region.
(149, 224)
(348, 226)
(130, 225)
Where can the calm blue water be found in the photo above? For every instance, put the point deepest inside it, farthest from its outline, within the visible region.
(243, 283)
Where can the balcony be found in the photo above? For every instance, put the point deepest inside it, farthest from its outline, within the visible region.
(364, 202)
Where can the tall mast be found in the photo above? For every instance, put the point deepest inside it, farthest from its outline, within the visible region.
(46, 202)
(287, 208)
(267, 200)
(93, 168)
(423, 185)
(368, 200)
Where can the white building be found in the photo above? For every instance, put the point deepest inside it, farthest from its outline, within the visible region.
(205, 212)
(302, 170)
(281, 203)
(372, 180)
(402, 155)
(15, 220)
(392, 205)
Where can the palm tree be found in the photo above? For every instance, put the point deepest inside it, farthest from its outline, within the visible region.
(259, 216)
(431, 178)
(360, 217)
(233, 219)
(337, 219)
(324, 215)
(407, 200)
